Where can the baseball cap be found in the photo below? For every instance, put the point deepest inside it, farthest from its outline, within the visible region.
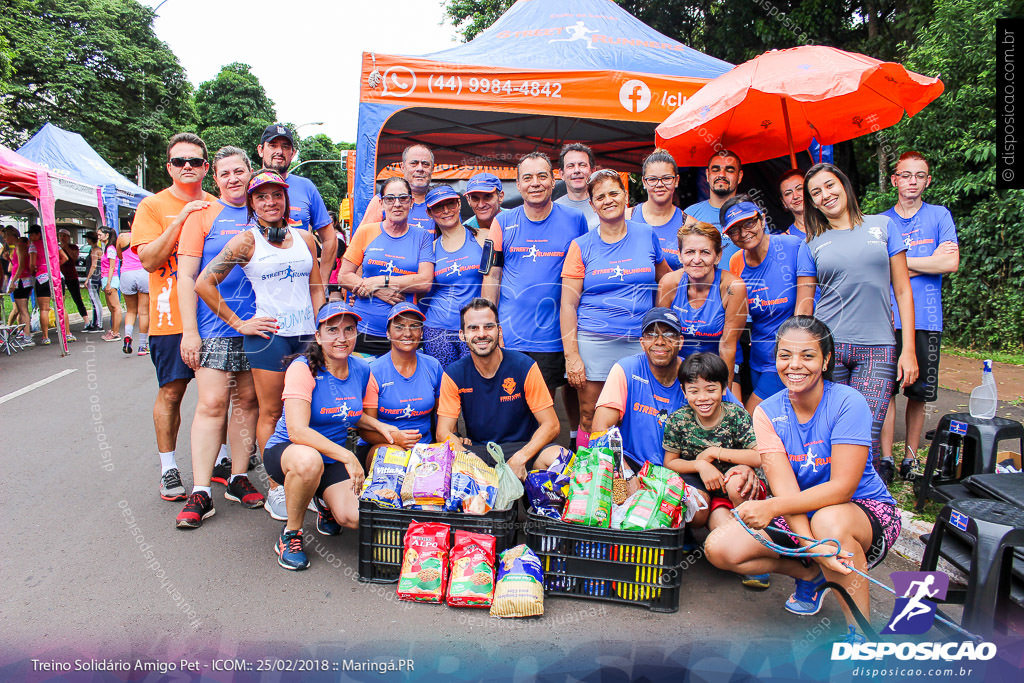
(266, 178)
(740, 211)
(404, 307)
(277, 130)
(665, 316)
(332, 309)
(483, 182)
(441, 193)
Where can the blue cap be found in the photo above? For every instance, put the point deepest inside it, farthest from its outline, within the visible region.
(483, 182)
(335, 308)
(404, 307)
(441, 193)
(739, 212)
(665, 316)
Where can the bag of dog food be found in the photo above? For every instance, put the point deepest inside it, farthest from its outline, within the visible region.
(425, 563)
(519, 591)
(474, 485)
(387, 471)
(590, 493)
(428, 479)
(471, 581)
(659, 504)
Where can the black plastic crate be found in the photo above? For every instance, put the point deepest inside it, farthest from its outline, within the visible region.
(613, 565)
(382, 535)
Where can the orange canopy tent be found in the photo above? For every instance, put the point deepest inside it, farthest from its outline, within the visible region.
(545, 73)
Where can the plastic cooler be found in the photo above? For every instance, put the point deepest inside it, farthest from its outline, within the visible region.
(382, 535)
(628, 567)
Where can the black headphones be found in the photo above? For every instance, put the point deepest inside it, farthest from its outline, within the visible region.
(276, 235)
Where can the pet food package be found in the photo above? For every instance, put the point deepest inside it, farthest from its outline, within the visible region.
(425, 563)
(471, 580)
(474, 485)
(384, 484)
(428, 479)
(519, 590)
(541, 492)
(659, 503)
(590, 493)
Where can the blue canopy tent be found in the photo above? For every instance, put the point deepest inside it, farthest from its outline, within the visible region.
(543, 74)
(69, 154)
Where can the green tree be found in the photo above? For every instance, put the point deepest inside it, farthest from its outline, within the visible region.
(97, 68)
(330, 178)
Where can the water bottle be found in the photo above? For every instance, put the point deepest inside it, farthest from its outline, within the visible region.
(984, 401)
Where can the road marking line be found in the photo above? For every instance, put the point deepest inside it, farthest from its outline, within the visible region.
(35, 385)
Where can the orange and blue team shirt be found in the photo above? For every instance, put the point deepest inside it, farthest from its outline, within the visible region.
(842, 417)
(457, 280)
(771, 292)
(618, 279)
(153, 216)
(500, 408)
(378, 253)
(334, 404)
(531, 278)
(204, 235)
(922, 233)
(404, 402)
(668, 233)
(703, 326)
(307, 210)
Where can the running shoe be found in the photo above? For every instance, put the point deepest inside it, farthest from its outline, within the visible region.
(689, 541)
(908, 469)
(143, 350)
(170, 485)
(275, 504)
(326, 525)
(46, 341)
(71, 338)
(242, 491)
(288, 549)
(91, 328)
(853, 637)
(807, 598)
(198, 508)
(111, 336)
(127, 346)
(222, 471)
(886, 470)
(757, 582)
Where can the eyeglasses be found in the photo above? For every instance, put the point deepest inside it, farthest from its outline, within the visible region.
(907, 175)
(654, 181)
(390, 199)
(667, 336)
(194, 162)
(748, 226)
(412, 327)
(449, 206)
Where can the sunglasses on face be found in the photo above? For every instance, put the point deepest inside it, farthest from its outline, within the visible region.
(390, 199)
(194, 162)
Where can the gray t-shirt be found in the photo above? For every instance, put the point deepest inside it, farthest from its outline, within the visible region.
(853, 280)
(581, 205)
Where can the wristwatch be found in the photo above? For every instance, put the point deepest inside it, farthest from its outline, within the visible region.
(387, 279)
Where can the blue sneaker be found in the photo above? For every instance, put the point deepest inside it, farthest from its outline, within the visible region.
(757, 582)
(689, 542)
(853, 637)
(807, 598)
(326, 525)
(289, 550)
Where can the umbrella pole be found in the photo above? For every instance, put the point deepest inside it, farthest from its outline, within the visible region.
(789, 132)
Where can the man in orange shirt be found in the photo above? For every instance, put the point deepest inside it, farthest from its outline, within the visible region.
(155, 232)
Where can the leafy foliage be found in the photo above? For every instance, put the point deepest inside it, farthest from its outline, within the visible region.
(330, 178)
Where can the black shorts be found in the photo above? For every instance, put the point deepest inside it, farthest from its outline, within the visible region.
(885, 529)
(508, 448)
(334, 472)
(165, 352)
(42, 290)
(928, 344)
(20, 292)
(372, 344)
(552, 368)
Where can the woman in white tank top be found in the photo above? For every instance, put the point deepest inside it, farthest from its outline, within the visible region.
(280, 262)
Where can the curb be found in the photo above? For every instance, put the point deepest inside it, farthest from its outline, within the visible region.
(910, 547)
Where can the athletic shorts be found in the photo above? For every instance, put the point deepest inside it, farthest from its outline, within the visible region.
(508, 449)
(42, 289)
(552, 367)
(766, 383)
(718, 499)
(165, 352)
(928, 344)
(372, 345)
(135, 281)
(21, 291)
(885, 529)
(223, 353)
(334, 472)
(269, 354)
(111, 282)
(600, 352)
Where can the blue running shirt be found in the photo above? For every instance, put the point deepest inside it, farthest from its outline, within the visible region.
(705, 213)
(404, 402)
(668, 234)
(457, 280)
(702, 327)
(307, 210)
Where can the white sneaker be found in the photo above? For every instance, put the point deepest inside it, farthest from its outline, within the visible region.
(275, 504)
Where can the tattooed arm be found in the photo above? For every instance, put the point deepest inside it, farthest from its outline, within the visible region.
(236, 252)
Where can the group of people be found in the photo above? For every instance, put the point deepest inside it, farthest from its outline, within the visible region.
(637, 313)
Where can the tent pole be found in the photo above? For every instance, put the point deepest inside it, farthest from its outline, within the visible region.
(789, 132)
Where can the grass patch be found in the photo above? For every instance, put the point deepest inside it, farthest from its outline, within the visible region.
(997, 356)
(903, 491)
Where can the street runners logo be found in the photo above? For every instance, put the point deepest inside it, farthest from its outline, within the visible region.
(915, 611)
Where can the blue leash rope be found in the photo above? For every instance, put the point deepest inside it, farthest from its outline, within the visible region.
(807, 552)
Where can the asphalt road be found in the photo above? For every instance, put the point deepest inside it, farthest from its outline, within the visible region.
(96, 570)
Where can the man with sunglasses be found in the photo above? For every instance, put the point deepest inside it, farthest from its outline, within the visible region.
(577, 162)
(277, 149)
(155, 233)
(418, 170)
